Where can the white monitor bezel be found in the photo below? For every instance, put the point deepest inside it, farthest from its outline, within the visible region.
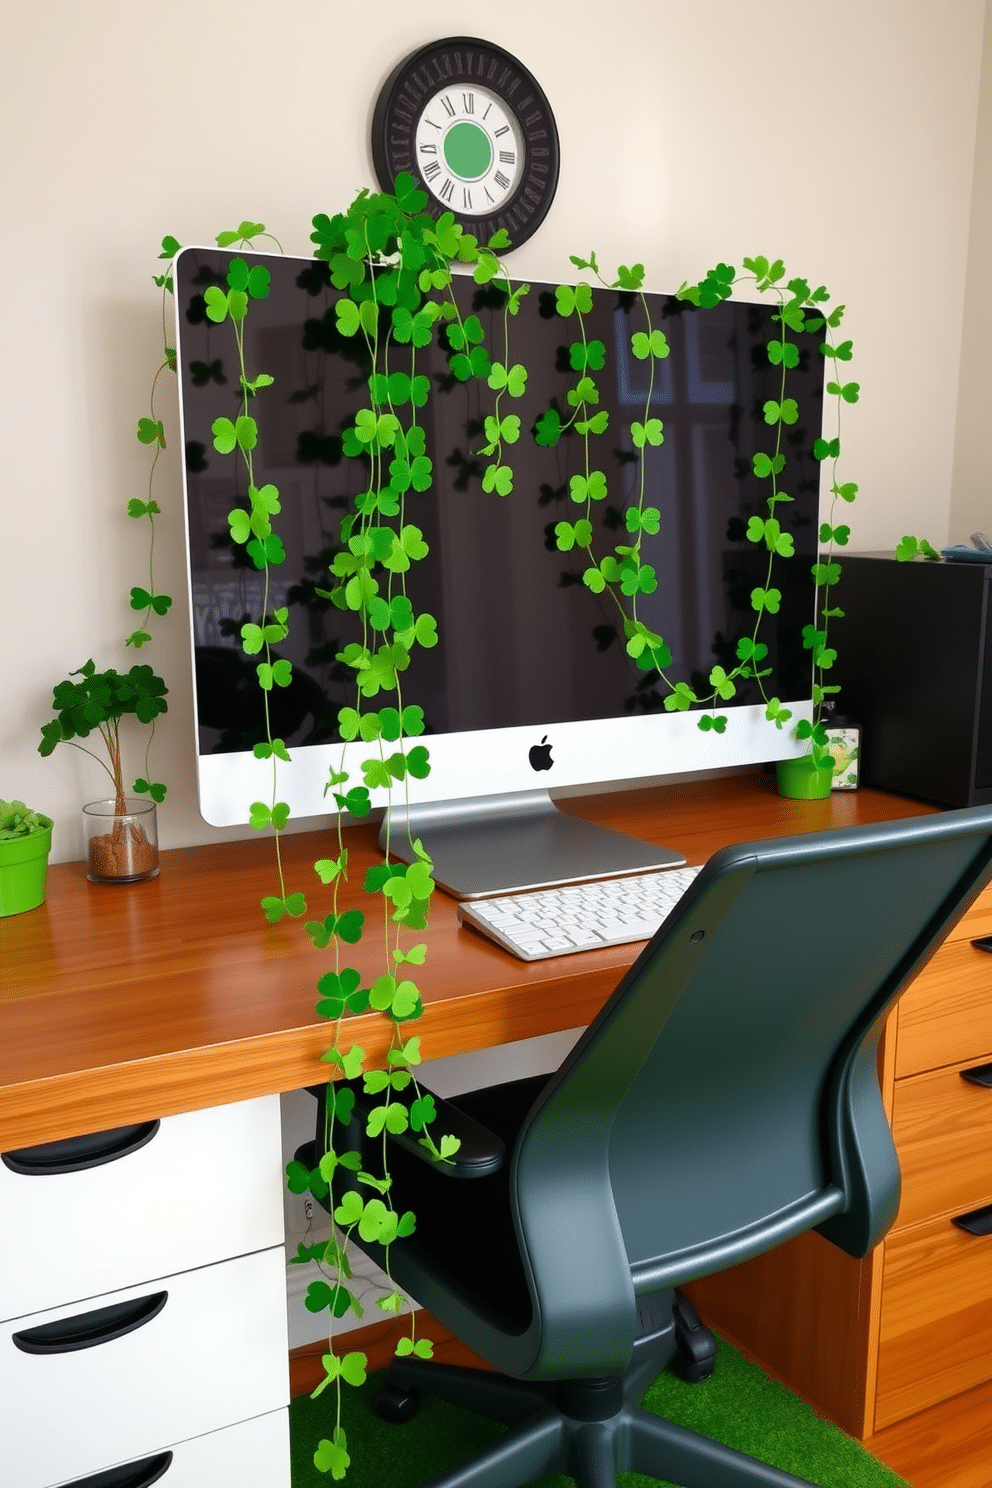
(586, 753)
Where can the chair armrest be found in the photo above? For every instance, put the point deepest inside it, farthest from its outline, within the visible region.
(481, 1152)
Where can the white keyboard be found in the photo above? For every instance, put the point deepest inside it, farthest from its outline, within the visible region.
(579, 917)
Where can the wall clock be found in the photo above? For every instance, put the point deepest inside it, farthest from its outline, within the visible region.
(474, 127)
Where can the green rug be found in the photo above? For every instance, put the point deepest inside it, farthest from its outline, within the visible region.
(738, 1405)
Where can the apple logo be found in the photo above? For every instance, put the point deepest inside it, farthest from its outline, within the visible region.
(540, 755)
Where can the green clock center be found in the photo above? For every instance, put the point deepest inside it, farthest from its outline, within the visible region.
(468, 151)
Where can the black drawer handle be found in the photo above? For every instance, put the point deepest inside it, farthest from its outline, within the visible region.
(983, 943)
(981, 1074)
(88, 1329)
(978, 1222)
(132, 1475)
(73, 1154)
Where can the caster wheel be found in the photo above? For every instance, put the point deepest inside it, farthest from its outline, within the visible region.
(695, 1357)
(395, 1405)
(691, 1371)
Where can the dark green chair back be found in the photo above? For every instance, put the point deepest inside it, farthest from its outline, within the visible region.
(726, 1098)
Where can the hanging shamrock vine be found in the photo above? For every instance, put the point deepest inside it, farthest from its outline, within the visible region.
(390, 266)
(623, 574)
(151, 432)
(801, 309)
(148, 601)
(391, 263)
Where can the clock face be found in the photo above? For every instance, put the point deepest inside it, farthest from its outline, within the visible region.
(469, 149)
(469, 122)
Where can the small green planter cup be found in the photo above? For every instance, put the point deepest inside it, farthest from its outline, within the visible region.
(801, 780)
(24, 870)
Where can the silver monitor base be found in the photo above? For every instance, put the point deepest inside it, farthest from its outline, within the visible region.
(486, 845)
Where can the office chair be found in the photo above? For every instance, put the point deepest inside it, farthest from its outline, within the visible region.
(725, 1100)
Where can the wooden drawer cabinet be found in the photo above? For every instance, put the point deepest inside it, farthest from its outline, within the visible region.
(946, 1016)
(943, 1131)
(911, 1324)
(935, 1335)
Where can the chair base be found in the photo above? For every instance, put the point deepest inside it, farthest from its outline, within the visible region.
(592, 1429)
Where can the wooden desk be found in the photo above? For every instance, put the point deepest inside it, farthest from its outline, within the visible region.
(125, 1003)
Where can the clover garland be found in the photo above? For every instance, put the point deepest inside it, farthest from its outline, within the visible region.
(151, 432)
(387, 256)
(147, 601)
(622, 573)
(799, 310)
(392, 266)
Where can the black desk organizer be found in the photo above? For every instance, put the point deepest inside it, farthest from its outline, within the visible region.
(915, 665)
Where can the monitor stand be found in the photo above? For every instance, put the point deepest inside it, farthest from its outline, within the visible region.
(504, 844)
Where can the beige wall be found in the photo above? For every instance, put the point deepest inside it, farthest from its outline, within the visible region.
(971, 500)
(841, 138)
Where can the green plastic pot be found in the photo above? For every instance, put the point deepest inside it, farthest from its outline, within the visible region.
(24, 870)
(802, 780)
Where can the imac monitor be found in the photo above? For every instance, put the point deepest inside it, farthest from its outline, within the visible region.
(530, 687)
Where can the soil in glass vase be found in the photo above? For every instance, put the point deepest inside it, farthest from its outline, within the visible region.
(121, 840)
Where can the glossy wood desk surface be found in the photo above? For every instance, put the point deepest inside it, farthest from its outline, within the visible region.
(119, 1004)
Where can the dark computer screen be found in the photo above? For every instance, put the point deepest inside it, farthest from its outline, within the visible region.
(523, 640)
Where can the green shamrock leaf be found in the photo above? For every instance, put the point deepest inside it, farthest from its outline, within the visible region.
(721, 683)
(848, 391)
(766, 465)
(332, 1456)
(777, 714)
(630, 278)
(353, 1366)
(649, 433)
(498, 478)
(547, 431)
(680, 699)
(151, 431)
(239, 524)
(826, 449)
(766, 599)
(346, 313)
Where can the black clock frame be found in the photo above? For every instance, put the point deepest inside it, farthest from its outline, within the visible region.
(465, 59)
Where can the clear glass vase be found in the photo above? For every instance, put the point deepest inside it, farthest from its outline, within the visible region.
(121, 847)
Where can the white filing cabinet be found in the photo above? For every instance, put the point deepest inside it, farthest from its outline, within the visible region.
(143, 1307)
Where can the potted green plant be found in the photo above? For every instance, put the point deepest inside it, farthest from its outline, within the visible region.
(121, 832)
(25, 842)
